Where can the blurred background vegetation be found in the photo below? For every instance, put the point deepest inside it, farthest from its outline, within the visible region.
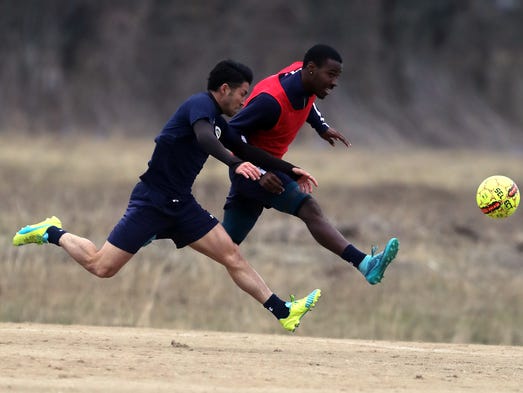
(85, 85)
(430, 72)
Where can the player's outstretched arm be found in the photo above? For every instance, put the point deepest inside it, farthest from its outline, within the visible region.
(258, 156)
(316, 120)
(208, 142)
(331, 136)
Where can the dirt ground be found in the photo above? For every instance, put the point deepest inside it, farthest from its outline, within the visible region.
(55, 358)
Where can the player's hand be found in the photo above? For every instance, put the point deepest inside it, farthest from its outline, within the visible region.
(248, 170)
(271, 183)
(331, 135)
(306, 180)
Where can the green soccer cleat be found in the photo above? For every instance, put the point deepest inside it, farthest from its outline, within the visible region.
(298, 308)
(36, 233)
(373, 266)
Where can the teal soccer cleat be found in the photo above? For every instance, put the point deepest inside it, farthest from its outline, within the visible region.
(373, 266)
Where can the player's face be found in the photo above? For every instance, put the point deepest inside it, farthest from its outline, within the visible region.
(325, 78)
(235, 99)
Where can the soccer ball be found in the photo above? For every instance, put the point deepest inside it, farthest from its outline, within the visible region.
(498, 196)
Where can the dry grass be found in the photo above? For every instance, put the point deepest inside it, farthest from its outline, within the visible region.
(457, 278)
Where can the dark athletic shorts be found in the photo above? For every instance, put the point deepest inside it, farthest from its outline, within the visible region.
(151, 215)
(247, 199)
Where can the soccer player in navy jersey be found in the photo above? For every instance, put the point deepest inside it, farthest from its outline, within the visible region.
(277, 108)
(162, 206)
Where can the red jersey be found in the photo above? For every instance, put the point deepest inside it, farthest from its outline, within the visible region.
(277, 140)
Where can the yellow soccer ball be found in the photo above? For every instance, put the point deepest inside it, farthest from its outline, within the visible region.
(498, 196)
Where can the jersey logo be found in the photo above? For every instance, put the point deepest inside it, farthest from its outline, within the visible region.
(217, 132)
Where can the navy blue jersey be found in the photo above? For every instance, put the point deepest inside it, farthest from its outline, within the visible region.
(263, 111)
(178, 158)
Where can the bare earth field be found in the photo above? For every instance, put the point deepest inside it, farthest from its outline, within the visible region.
(54, 358)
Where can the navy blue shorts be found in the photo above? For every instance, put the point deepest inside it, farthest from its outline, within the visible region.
(151, 215)
(247, 199)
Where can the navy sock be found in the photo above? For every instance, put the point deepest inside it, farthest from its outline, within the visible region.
(54, 234)
(353, 255)
(277, 306)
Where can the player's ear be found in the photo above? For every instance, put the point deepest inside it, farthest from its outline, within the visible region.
(310, 68)
(225, 89)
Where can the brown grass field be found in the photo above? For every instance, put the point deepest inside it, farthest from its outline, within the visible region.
(456, 283)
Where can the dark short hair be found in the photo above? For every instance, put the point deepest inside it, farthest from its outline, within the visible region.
(320, 53)
(230, 72)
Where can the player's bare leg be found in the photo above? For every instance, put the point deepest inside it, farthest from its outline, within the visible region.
(217, 245)
(323, 231)
(372, 265)
(104, 262)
